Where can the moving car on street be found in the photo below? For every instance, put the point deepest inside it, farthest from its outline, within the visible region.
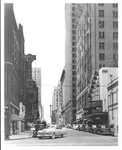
(40, 125)
(52, 132)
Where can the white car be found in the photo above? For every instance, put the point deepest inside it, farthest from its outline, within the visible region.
(52, 132)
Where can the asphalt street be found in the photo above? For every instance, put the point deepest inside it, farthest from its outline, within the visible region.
(73, 138)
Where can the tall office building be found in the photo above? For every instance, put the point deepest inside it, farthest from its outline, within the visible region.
(56, 104)
(70, 64)
(62, 80)
(91, 43)
(36, 75)
(97, 46)
(14, 88)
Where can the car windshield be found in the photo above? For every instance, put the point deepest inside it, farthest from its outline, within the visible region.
(53, 126)
(102, 126)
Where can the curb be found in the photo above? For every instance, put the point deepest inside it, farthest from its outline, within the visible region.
(22, 135)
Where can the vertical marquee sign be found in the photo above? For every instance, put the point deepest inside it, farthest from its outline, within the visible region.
(29, 82)
(30, 58)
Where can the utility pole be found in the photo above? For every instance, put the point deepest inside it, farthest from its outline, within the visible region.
(112, 95)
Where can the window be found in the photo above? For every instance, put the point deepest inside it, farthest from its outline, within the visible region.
(115, 14)
(101, 13)
(74, 79)
(101, 56)
(101, 4)
(115, 57)
(73, 55)
(104, 71)
(115, 24)
(73, 85)
(73, 26)
(74, 67)
(101, 65)
(73, 61)
(73, 8)
(104, 103)
(73, 90)
(115, 5)
(73, 32)
(101, 35)
(73, 43)
(74, 72)
(73, 20)
(115, 46)
(101, 45)
(115, 35)
(108, 99)
(73, 14)
(73, 49)
(74, 37)
(101, 24)
(117, 95)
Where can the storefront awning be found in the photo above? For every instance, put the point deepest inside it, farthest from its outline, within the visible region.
(16, 118)
(78, 121)
(95, 114)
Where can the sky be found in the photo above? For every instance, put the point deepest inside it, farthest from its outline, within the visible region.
(44, 32)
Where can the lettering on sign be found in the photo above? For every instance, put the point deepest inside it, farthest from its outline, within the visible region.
(30, 57)
(29, 83)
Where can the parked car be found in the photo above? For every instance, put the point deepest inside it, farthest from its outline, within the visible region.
(80, 127)
(99, 129)
(83, 128)
(75, 126)
(52, 132)
(109, 130)
(86, 128)
(94, 128)
(103, 130)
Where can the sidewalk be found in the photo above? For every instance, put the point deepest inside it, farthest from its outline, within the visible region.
(21, 135)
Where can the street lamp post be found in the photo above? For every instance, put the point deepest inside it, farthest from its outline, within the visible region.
(50, 112)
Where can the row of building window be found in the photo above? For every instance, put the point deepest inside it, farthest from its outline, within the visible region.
(113, 96)
(102, 35)
(103, 65)
(102, 46)
(102, 56)
(101, 13)
(114, 4)
(102, 24)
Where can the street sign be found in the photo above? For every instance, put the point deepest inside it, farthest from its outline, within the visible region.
(30, 57)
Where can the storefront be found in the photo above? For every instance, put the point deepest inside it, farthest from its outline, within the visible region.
(15, 124)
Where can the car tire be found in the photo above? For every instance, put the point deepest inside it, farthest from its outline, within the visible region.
(53, 135)
(40, 137)
(62, 135)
